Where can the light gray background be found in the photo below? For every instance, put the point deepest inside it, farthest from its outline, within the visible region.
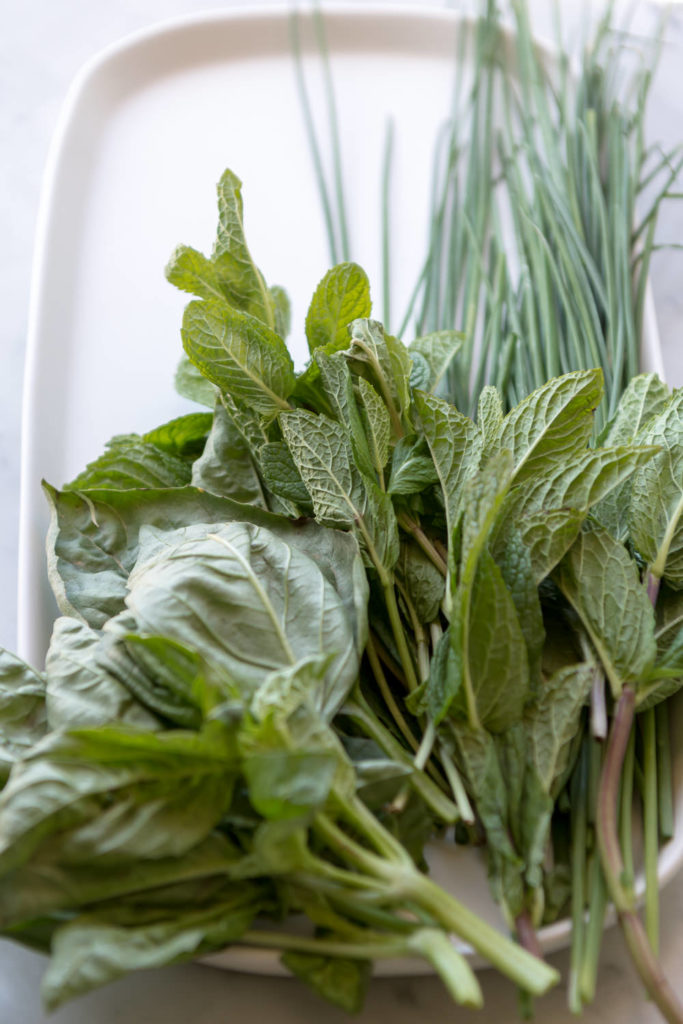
(42, 46)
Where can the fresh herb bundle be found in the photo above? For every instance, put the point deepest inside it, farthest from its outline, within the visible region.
(303, 633)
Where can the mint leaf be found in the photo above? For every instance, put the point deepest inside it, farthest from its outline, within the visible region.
(454, 444)
(554, 720)
(189, 383)
(376, 424)
(656, 514)
(601, 581)
(129, 462)
(438, 350)
(342, 296)
(239, 354)
(412, 467)
(644, 398)
(553, 422)
(490, 419)
(226, 466)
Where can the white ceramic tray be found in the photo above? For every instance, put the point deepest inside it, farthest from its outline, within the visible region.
(147, 130)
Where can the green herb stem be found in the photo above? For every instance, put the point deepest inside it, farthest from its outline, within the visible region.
(650, 827)
(578, 876)
(664, 772)
(597, 906)
(387, 695)
(408, 524)
(399, 636)
(643, 957)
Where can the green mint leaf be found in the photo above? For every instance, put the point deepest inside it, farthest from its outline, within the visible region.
(338, 384)
(423, 581)
(342, 296)
(131, 462)
(192, 272)
(601, 582)
(232, 257)
(644, 398)
(281, 475)
(656, 513)
(412, 467)
(489, 643)
(238, 354)
(552, 723)
(341, 495)
(454, 444)
(184, 436)
(189, 383)
(387, 364)
(282, 310)
(438, 350)
(554, 421)
(376, 424)
(490, 420)
(515, 563)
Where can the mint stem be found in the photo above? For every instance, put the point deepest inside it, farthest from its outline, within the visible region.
(656, 984)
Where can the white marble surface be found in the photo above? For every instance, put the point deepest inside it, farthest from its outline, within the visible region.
(42, 45)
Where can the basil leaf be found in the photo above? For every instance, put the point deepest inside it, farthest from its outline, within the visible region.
(340, 980)
(22, 710)
(239, 354)
(248, 601)
(80, 692)
(120, 793)
(96, 948)
(342, 296)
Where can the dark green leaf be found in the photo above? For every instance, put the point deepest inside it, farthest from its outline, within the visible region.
(340, 980)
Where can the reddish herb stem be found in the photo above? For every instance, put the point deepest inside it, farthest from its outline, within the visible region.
(651, 974)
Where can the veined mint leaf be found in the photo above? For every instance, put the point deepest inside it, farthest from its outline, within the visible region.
(184, 436)
(488, 640)
(656, 514)
(554, 421)
(553, 721)
(376, 423)
(238, 354)
(191, 271)
(423, 581)
(190, 384)
(231, 253)
(341, 495)
(644, 398)
(453, 441)
(438, 349)
(490, 420)
(412, 467)
(130, 462)
(342, 296)
(547, 536)
(515, 563)
(386, 362)
(338, 384)
(281, 475)
(600, 580)
(282, 310)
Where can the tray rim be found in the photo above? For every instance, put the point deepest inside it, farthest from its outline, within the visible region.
(238, 957)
